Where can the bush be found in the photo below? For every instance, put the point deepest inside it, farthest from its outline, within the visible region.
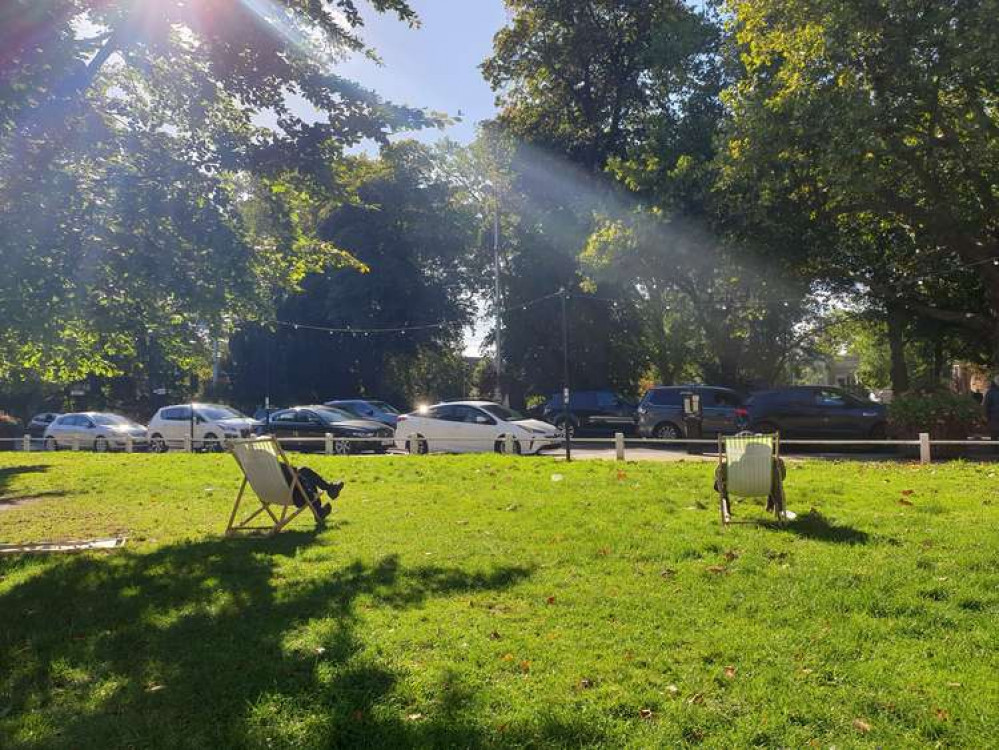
(946, 416)
(9, 428)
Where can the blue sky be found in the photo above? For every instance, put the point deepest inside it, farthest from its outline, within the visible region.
(434, 66)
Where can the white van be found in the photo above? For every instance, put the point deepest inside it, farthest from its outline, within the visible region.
(208, 426)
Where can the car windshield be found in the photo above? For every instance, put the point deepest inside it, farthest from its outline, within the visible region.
(214, 413)
(331, 414)
(501, 412)
(382, 406)
(110, 419)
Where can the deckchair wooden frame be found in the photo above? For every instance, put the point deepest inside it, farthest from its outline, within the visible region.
(776, 499)
(279, 522)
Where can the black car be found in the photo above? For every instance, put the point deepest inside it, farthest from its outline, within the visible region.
(660, 414)
(303, 427)
(816, 411)
(38, 423)
(603, 410)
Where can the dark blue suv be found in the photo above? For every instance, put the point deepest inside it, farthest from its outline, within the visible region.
(593, 410)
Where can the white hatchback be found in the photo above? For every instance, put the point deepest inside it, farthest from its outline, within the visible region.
(207, 426)
(472, 427)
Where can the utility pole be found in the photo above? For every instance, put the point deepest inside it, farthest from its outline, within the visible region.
(566, 424)
(497, 297)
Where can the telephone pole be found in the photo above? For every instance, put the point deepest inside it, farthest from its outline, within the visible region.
(498, 298)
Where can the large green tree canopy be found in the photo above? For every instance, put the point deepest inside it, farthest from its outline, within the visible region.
(155, 180)
(880, 122)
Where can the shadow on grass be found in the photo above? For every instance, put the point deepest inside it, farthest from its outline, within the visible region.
(217, 644)
(8, 473)
(813, 525)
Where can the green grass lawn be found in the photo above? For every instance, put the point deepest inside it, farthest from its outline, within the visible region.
(465, 602)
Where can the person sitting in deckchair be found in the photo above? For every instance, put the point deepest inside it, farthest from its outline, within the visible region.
(313, 485)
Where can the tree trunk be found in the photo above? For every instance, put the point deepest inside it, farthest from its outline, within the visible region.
(896, 344)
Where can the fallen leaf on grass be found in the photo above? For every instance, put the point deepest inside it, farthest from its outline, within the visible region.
(673, 690)
(668, 573)
(908, 493)
(586, 683)
(603, 551)
(717, 569)
(550, 600)
(942, 714)
(730, 672)
(696, 699)
(861, 726)
(646, 713)
(731, 555)
(507, 657)
(621, 475)
(414, 717)
(903, 501)
(525, 666)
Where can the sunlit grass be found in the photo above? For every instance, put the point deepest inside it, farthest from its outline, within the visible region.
(483, 601)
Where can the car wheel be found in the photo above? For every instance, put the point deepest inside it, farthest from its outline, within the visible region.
(51, 444)
(560, 425)
(342, 447)
(100, 444)
(210, 443)
(417, 445)
(500, 446)
(666, 431)
(767, 428)
(157, 444)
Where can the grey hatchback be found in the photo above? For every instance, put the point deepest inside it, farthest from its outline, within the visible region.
(660, 413)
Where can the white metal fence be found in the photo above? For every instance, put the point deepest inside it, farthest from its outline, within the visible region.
(341, 445)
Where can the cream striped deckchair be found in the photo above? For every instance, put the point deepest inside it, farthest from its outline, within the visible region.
(260, 460)
(750, 466)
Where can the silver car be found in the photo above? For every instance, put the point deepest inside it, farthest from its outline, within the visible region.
(94, 431)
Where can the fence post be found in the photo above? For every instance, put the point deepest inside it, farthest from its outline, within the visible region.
(26, 443)
(925, 454)
(329, 443)
(619, 445)
(128, 443)
(188, 444)
(509, 444)
(76, 443)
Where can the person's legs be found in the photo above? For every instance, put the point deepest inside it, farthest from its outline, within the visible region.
(309, 476)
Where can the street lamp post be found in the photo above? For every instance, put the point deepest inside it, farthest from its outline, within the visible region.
(565, 378)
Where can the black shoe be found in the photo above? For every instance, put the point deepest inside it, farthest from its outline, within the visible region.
(334, 490)
(324, 511)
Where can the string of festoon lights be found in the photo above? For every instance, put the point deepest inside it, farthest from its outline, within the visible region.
(402, 330)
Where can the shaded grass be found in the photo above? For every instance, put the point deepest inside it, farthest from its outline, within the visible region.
(475, 602)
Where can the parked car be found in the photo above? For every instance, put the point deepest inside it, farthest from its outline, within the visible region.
(605, 410)
(472, 427)
(660, 413)
(291, 425)
(38, 423)
(93, 430)
(207, 425)
(374, 410)
(816, 411)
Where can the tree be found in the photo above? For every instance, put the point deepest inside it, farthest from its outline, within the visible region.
(414, 241)
(129, 151)
(881, 116)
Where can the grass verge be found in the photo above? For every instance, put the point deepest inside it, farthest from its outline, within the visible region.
(490, 601)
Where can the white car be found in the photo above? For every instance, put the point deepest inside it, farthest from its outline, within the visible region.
(472, 427)
(208, 426)
(93, 430)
